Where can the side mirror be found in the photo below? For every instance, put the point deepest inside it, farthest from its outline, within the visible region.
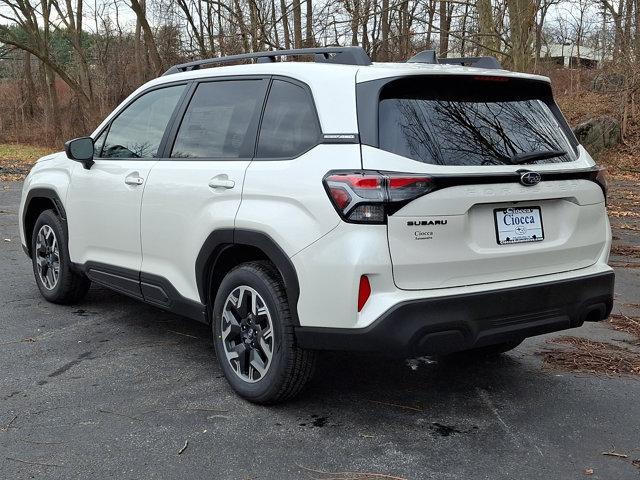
(80, 150)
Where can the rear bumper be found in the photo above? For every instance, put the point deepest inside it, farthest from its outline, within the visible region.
(461, 322)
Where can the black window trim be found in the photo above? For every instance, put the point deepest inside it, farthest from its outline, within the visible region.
(107, 127)
(320, 134)
(179, 116)
(171, 131)
(180, 113)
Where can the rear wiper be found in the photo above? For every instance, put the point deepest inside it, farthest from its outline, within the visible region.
(539, 155)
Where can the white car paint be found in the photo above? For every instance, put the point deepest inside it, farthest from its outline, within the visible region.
(179, 211)
(105, 204)
(159, 227)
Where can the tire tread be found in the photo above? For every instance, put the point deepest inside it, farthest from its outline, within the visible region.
(300, 364)
(74, 285)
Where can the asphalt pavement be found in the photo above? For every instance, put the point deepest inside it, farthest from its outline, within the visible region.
(113, 388)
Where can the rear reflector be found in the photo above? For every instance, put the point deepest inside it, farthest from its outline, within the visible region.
(364, 291)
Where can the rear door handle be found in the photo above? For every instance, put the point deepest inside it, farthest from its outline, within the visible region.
(221, 181)
(134, 179)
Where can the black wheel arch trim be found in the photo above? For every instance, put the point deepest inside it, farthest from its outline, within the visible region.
(49, 194)
(219, 240)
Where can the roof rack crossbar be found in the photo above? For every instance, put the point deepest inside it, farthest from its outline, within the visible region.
(429, 56)
(342, 55)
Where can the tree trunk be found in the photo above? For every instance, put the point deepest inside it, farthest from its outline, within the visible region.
(628, 20)
(637, 33)
(285, 25)
(385, 27)
(137, 53)
(243, 27)
(538, 30)
(464, 29)
(486, 28)
(445, 22)
(309, 39)
(29, 87)
(430, 16)
(521, 19)
(54, 104)
(150, 43)
(274, 24)
(353, 7)
(255, 27)
(297, 24)
(195, 29)
(222, 44)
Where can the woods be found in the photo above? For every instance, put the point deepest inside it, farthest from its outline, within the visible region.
(65, 63)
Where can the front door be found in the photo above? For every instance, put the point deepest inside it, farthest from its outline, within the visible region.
(103, 203)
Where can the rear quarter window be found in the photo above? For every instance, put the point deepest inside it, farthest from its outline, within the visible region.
(290, 124)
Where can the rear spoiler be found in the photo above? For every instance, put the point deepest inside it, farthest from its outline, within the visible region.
(429, 56)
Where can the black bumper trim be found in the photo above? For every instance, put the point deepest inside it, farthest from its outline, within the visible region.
(461, 322)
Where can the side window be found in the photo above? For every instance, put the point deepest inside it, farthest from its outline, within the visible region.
(289, 126)
(137, 131)
(220, 120)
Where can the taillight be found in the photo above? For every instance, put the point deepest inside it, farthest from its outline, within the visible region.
(368, 197)
(364, 291)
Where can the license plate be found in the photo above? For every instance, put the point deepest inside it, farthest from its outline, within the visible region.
(518, 225)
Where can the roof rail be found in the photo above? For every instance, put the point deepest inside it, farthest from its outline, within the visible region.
(429, 56)
(342, 55)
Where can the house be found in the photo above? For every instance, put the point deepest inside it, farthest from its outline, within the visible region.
(566, 54)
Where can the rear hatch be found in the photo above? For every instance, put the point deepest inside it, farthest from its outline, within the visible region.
(511, 194)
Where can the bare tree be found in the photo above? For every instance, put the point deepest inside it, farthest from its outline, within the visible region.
(521, 20)
(149, 40)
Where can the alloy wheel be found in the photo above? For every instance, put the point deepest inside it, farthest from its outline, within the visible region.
(47, 257)
(247, 334)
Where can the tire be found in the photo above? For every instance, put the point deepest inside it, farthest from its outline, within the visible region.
(49, 246)
(281, 373)
(488, 351)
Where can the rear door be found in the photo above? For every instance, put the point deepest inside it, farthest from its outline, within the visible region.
(197, 187)
(486, 219)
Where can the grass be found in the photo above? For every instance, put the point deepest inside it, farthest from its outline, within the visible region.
(15, 152)
(16, 159)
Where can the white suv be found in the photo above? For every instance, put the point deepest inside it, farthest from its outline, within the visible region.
(413, 208)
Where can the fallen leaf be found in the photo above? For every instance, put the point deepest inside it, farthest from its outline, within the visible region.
(186, 443)
(588, 471)
(615, 454)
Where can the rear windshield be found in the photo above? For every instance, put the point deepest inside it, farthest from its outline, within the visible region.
(472, 121)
